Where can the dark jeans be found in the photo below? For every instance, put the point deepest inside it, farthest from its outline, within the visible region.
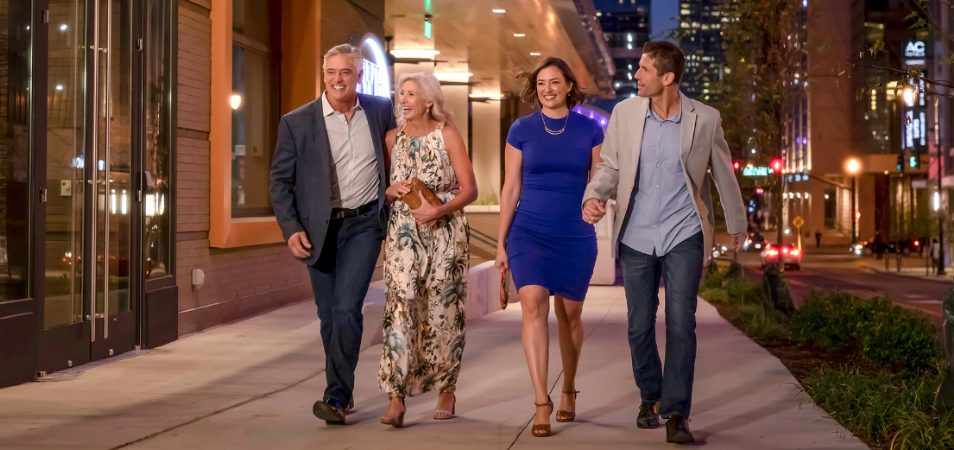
(681, 271)
(340, 280)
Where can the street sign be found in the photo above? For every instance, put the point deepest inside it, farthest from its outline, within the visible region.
(798, 222)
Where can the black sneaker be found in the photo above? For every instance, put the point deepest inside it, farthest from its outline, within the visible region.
(677, 431)
(331, 412)
(648, 417)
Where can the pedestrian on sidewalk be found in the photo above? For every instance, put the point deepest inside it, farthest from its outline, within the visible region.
(935, 256)
(661, 150)
(327, 192)
(426, 251)
(542, 239)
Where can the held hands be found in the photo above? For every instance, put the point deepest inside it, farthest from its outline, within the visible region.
(298, 245)
(397, 190)
(593, 210)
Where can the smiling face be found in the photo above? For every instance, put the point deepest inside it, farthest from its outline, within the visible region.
(412, 101)
(341, 79)
(648, 80)
(552, 87)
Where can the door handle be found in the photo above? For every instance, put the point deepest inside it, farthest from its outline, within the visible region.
(94, 204)
(108, 161)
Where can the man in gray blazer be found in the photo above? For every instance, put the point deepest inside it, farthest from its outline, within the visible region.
(660, 152)
(327, 188)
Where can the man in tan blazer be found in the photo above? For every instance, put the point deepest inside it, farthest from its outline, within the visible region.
(660, 151)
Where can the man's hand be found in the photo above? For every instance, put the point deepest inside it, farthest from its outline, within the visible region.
(737, 240)
(593, 210)
(298, 245)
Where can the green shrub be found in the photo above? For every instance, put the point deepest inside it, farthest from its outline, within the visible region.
(876, 329)
(893, 410)
(900, 337)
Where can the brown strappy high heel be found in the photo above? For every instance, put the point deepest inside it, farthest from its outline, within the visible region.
(567, 416)
(395, 421)
(543, 430)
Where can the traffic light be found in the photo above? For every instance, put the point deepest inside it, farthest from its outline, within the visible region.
(900, 165)
(914, 161)
(736, 165)
(776, 165)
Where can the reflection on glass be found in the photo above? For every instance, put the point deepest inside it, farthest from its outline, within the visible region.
(15, 43)
(115, 150)
(66, 163)
(254, 102)
(157, 250)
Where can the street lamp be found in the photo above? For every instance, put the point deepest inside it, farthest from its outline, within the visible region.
(909, 94)
(853, 167)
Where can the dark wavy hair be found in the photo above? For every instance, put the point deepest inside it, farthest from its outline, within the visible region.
(529, 94)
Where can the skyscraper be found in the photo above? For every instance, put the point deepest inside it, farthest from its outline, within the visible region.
(700, 26)
(625, 25)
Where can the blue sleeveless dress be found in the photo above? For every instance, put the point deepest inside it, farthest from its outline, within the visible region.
(549, 244)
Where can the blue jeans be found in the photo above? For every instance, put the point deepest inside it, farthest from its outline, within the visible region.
(681, 271)
(340, 280)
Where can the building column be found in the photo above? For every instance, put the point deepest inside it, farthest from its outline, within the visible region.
(486, 149)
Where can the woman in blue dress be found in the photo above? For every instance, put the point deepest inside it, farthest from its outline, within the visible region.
(543, 239)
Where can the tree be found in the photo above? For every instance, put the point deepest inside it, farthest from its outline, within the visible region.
(764, 42)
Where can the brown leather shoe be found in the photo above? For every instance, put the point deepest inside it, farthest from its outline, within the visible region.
(677, 431)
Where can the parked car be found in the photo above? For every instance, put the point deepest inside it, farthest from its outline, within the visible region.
(785, 254)
(755, 242)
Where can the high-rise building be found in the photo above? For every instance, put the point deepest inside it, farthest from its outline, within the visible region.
(625, 25)
(700, 27)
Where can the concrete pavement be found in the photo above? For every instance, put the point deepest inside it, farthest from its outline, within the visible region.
(251, 384)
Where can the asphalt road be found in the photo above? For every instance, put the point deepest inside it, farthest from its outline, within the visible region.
(833, 271)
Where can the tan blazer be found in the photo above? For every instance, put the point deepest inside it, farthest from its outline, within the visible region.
(705, 156)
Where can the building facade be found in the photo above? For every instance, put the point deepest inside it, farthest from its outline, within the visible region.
(141, 132)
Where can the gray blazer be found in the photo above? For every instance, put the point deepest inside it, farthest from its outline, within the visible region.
(705, 156)
(301, 169)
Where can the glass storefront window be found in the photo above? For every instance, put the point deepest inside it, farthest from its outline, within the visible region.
(15, 44)
(157, 211)
(254, 102)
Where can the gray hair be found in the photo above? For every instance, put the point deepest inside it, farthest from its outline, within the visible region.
(346, 49)
(430, 91)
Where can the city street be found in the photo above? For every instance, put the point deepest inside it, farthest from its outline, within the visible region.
(832, 268)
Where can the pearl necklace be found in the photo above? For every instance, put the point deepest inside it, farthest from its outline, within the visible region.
(554, 132)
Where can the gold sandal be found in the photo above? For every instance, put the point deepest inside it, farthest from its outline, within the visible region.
(567, 416)
(443, 414)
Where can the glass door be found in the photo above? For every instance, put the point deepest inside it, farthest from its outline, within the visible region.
(89, 291)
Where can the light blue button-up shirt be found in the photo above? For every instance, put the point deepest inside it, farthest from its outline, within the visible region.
(662, 214)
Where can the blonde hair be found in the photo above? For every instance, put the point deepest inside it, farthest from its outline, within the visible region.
(345, 49)
(430, 90)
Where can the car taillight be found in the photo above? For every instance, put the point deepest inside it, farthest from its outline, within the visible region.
(784, 250)
(773, 252)
(796, 252)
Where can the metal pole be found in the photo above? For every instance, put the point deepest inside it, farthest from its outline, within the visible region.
(940, 174)
(854, 213)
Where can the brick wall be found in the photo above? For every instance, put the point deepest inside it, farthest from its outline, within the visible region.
(238, 282)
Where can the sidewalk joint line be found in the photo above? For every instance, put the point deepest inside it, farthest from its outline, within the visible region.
(560, 374)
(218, 411)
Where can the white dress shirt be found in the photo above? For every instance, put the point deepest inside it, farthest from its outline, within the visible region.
(355, 167)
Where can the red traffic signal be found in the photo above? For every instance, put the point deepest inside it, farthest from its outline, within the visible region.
(736, 165)
(777, 165)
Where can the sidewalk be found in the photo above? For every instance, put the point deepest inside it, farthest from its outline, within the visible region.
(251, 384)
(911, 267)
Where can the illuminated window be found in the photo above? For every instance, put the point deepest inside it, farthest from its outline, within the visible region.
(254, 102)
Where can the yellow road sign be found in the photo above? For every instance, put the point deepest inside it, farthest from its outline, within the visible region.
(798, 222)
